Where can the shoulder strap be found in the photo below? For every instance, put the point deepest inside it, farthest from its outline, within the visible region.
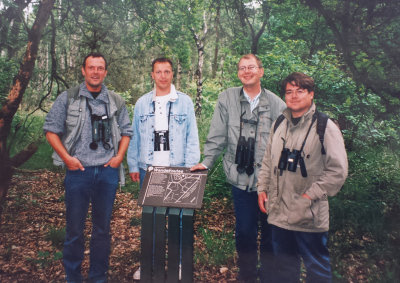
(322, 120)
(72, 93)
(278, 121)
(119, 101)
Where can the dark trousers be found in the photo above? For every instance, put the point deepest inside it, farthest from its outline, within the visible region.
(246, 233)
(290, 246)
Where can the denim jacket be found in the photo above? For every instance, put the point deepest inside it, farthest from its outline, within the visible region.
(183, 135)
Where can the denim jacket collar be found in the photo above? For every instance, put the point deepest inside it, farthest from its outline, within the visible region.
(173, 94)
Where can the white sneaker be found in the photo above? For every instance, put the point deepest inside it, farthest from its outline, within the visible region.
(136, 275)
(180, 271)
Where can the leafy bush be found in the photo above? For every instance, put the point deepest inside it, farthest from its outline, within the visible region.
(8, 69)
(26, 129)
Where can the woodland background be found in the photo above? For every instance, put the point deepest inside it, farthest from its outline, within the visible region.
(350, 47)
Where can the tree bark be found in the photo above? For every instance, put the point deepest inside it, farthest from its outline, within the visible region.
(216, 49)
(199, 40)
(14, 98)
(199, 73)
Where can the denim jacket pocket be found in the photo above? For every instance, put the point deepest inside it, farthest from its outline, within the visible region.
(144, 124)
(180, 119)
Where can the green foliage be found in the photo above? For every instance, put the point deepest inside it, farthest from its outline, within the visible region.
(132, 33)
(8, 69)
(26, 129)
(56, 236)
(220, 247)
(216, 186)
(370, 194)
(44, 258)
(136, 221)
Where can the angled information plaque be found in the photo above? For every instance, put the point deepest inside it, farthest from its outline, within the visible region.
(173, 187)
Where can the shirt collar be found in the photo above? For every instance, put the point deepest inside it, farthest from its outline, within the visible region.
(173, 94)
(103, 96)
(253, 102)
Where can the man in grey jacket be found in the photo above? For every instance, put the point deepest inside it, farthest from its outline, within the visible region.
(240, 125)
(89, 130)
(296, 177)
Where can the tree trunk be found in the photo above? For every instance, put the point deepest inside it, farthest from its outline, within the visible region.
(216, 50)
(178, 75)
(200, 62)
(14, 98)
(199, 78)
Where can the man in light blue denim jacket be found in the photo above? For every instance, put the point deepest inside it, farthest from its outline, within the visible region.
(164, 126)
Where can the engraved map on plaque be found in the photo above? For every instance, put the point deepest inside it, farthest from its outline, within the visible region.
(173, 187)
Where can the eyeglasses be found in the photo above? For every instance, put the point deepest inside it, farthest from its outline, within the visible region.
(250, 68)
(299, 92)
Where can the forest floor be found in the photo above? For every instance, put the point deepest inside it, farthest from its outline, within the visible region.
(30, 245)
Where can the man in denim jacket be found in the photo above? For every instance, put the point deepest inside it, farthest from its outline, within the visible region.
(243, 116)
(164, 126)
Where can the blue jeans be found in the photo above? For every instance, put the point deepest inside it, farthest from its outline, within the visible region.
(142, 174)
(247, 216)
(290, 246)
(96, 185)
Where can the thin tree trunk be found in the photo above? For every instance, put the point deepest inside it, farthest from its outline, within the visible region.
(216, 50)
(178, 75)
(199, 78)
(200, 62)
(14, 98)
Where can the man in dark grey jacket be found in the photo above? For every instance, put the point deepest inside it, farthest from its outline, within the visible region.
(89, 130)
(240, 125)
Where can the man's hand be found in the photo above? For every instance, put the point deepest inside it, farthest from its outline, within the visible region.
(73, 164)
(262, 198)
(135, 176)
(114, 162)
(198, 166)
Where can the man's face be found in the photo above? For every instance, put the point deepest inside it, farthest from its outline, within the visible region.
(94, 73)
(297, 99)
(162, 76)
(249, 73)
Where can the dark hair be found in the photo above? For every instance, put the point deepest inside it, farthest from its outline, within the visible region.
(298, 79)
(94, 55)
(251, 56)
(161, 60)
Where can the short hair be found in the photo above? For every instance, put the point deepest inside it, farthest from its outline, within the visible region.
(298, 79)
(161, 60)
(251, 56)
(94, 55)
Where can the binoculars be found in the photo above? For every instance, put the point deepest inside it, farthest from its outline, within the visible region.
(161, 137)
(244, 157)
(289, 160)
(101, 131)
